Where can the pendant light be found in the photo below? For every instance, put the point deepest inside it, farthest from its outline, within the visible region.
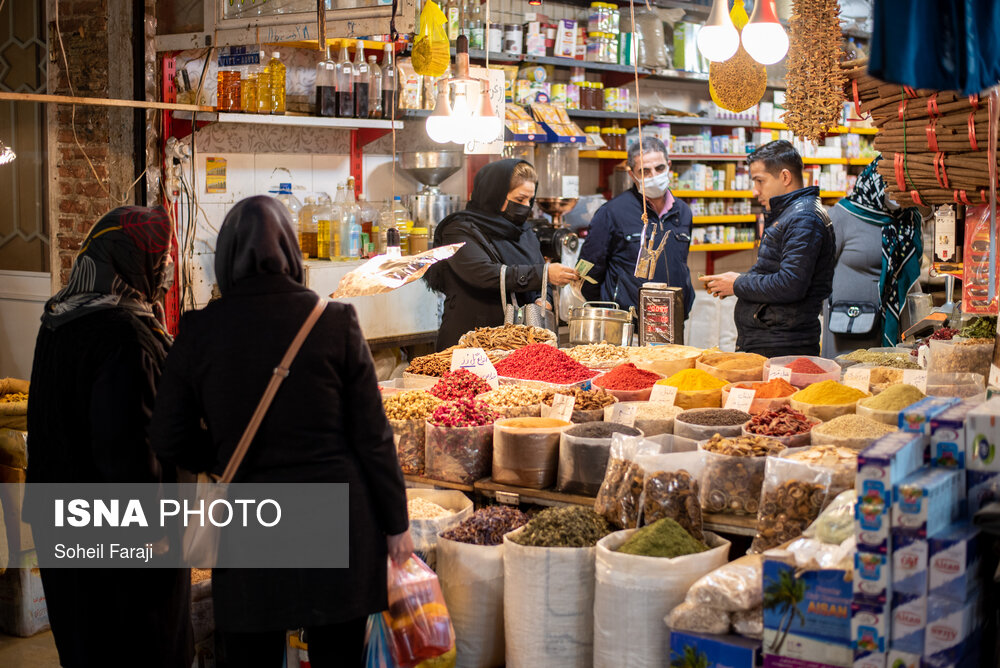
(6, 154)
(718, 39)
(764, 38)
(471, 116)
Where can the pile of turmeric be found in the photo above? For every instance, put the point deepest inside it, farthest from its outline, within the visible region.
(693, 380)
(828, 393)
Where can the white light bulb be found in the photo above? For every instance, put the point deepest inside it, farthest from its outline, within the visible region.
(718, 43)
(767, 43)
(462, 126)
(488, 128)
(439, 129)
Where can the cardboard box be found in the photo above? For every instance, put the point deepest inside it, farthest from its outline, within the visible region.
(870, 628)
(910, 553)
(948, 436)
(916, 419)
(775, 661)
(983, 487)
(928, 501)
(899, 659)
(909, 619)
(881, 466)
(950, 625)
(822, 627)
(982, 437)
(730, 651)
(565, 39)
(872, 577)
(954, 559)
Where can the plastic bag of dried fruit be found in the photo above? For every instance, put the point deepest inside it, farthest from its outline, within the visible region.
(385, 273)
(618, 498)
(671, 489)
(793, 495)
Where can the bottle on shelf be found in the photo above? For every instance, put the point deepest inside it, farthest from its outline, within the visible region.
(277, 70)
(308, 232)
(248, 89)
(374, 89)
(290, 201)
(228, 90)
(264, 86)
(345, 83)
(323, 216)
(326, 85)
(362, 80)
(389, 84)
(397, 218)
(368, 217)
(453, 12)
(351, 225)
(336, 234)
(477, 29)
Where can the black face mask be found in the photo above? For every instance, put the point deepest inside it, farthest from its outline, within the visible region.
(516, 213)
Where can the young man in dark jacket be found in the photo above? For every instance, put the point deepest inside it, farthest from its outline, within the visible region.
(781, 297)
(616, 229)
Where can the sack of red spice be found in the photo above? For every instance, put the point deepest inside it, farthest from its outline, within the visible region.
(542, 362)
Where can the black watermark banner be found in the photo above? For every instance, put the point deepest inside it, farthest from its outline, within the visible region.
(257, 525)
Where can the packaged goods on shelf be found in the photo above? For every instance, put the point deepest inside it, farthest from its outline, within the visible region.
(880, 467)
(916, 419)
(982, 434)
(871, 628)
(791, 498)
(719, 650)
(621, 489)
(872, 577)
(954, 560)
(927, 501)
(948, 436)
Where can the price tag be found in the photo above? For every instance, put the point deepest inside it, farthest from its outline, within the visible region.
(917, 378)
(859, 379)
(475, 361)
(562, 407)
(923, 355)
(779, 372)
(664, 393)
(624, 414)
(740, 399)
(995, 375)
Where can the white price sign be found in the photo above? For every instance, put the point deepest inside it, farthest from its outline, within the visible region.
(859, 379)
(624, 414)
(782, 372)
(740, 399)
(562, 407)
(475, 361)
(665, 393)
(917, 378)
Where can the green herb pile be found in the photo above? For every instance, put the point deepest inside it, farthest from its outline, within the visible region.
(984, 327)
(572, 526)
(662, 538)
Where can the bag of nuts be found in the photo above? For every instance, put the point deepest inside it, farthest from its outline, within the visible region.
(734, 473)
(793, 497)
(670, 489)
(618, 498)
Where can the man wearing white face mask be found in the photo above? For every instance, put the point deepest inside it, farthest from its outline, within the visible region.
(616, 229)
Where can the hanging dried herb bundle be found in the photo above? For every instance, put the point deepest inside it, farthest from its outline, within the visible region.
(815, 80)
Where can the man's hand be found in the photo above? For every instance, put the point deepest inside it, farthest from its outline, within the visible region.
(560, 275)
(400, 547)
(720, 285)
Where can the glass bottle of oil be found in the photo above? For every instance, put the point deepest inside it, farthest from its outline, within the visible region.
(264, 86)
(248, 89)
(277, 70)
(323, 216)
(308, 232)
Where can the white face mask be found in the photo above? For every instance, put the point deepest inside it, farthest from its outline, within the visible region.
(657, 185)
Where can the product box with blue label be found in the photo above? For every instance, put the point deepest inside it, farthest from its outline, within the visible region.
(910, 553)
(821, 626)
(881, 466)
(775, 661)
(909, 619)
(711, 651)
(872, 576)
(928, 501)
(950, 626)
(871, 661)
(982, 437)
(916, 419)
(953, 567)
(871, 625)
(899, 659)
(983, 487)
(948, 436)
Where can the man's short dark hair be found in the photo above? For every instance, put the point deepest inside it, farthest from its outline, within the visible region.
(776, 156)
(650, 144)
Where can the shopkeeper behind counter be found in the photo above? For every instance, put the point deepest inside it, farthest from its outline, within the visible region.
(494, 229)
(616, 229)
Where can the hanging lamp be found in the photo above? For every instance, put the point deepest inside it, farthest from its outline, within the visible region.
(472, 115)
(718, 39)
(764, 38)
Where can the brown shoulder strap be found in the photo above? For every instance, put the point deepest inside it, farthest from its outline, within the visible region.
(279, 374)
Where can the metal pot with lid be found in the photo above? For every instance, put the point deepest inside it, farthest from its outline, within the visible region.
(600, 322)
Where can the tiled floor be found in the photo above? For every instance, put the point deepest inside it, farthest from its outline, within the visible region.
(38, 651)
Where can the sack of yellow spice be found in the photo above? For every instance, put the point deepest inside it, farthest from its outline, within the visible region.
(696, 389)
(827, 399)
(431, 50)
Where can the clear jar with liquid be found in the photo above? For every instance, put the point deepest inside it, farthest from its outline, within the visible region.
(277, 74)
(308, 231)
(264, 86)
(248, 89)
(326, 86)
(228, 91)
(323, 215)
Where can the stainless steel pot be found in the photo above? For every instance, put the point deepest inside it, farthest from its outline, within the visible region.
(597, 322)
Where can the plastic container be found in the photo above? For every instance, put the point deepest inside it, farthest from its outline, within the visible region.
(732, 375)
(648, 423)
(699, 432)
(583, 461)
(957, 356)
(526, 451)
(409, 437)
(794, 441)
(825, 412)
(664, 360)
(832, 370)
(458, 454)
(758, 405)
(962, 385)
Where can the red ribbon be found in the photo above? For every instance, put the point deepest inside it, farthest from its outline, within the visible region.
(931, 131)
(974, 101)
(902, 109)
(909, 91)
(915, 196)
(939, 170)
(964, 198)
(900, 168)
(857, 101)
(972, 132)
(932, 106)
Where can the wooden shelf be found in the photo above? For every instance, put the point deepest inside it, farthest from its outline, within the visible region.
(839, 130)
(292, 120)
(712, 122)
(605, 155)
(421, 480)
(714, 248)
(607, 115)
(829, 194)
(714, 220)
(733, 194)
(716, 157)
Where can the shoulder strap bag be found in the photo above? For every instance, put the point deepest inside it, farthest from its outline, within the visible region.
(201, 543)
(855, 318)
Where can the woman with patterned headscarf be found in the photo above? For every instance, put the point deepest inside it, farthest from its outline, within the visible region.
(879, 247)
(98, 358)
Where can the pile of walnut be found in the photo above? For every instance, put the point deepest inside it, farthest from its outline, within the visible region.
(815, 95)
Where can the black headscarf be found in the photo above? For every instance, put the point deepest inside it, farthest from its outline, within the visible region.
(489, 191)
(257, 237)
(123, 263)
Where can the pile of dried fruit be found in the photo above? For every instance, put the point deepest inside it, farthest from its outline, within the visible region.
(458, 384)
(585, 400)
(782, 422)
(507, 337)
(410, 405)
(462, 413)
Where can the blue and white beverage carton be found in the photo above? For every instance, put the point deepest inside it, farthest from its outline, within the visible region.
(881, 466)
(928, 501)
(916, 419)
(982, 437)
(954, 559)
(910, 553)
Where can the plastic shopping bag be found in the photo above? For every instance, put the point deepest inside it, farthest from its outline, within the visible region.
(431, 49)
(419, 624)
(377, 652)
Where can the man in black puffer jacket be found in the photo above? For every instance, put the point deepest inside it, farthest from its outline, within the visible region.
(781, 297)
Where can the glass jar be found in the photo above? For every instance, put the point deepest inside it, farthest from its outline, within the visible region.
(419, 240)
(606, 135)
(612, 47)
(595, 47)
(596, 17)
(228, 91)
(598, 93)
(614, 19)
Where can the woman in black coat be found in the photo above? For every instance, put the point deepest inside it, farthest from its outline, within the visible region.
(494, 228)
(326, 424)
(98, 358)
